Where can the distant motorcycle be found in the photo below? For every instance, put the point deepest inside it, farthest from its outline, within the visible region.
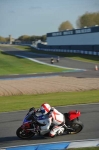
(31, 125)
(52, 60)
(58, 59)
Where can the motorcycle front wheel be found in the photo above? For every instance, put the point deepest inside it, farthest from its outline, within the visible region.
(23, 134)
(77, 126)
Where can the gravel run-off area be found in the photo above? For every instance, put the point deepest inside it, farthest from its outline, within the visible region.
(26, 86)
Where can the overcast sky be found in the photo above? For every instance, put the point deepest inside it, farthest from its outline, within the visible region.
(38, 17)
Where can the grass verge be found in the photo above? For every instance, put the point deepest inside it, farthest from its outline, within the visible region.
(87, 148)
(16, 65)
(23, 102)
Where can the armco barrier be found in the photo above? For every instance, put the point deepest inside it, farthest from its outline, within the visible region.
(85, 52)
(57, 146)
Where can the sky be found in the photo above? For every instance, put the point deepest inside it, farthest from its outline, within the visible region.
(39, 17)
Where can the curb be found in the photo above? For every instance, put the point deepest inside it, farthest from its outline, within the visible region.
(56, 146)
(37, 61)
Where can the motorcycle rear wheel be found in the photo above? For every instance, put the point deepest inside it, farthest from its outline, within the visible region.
(77, 126)
(21, 133)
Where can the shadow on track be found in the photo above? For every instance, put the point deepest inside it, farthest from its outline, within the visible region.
(15, 138)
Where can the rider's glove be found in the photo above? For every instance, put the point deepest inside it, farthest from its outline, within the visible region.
(38, 110)
(32, 110)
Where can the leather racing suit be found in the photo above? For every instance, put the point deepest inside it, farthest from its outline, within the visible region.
(55, 118)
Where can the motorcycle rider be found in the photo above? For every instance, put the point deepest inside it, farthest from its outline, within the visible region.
(53, 117)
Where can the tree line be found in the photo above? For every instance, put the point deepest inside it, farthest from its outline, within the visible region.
(87, 19)
(32, 38)
(25, 38)
(2, 39)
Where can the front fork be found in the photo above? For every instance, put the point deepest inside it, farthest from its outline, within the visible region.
(32, 128)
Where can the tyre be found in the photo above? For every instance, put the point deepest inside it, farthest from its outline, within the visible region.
(23, 134)
(77, 126)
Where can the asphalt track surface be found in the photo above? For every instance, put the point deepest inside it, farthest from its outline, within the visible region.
(65, 62)
(9, 122)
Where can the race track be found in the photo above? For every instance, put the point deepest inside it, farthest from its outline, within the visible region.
(9, 122)
(64, 62)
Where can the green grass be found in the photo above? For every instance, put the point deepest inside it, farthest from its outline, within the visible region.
(80, 57)
(90, 59)
(23, 102)
(16, 65)
(87, 148)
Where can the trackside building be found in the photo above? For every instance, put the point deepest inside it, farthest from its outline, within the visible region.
(84, 41)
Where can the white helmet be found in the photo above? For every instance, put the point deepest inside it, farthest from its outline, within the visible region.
(45, 108)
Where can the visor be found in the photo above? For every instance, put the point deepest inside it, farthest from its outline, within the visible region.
(42, 111)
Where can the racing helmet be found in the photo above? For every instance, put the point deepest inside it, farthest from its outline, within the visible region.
(45, 108)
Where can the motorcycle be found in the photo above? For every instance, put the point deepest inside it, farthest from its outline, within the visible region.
(31, 127)
(57, 60)
(52, 60)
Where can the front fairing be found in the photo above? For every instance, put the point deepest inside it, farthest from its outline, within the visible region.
(42, 119)
(27, 122)
(38, 118)
(28, 118)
